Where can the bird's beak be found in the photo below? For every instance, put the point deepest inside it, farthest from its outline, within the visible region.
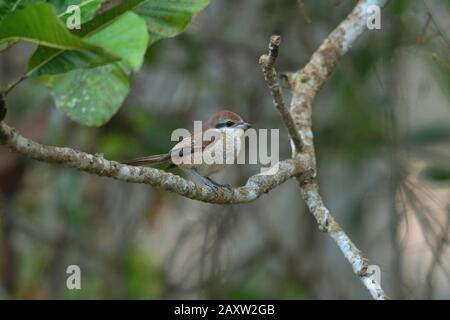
(244, 125)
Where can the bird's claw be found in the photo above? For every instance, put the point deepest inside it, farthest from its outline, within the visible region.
(227, 186)
(214, 186)
(211, 184)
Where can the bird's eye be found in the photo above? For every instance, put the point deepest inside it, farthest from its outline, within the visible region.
(229, 123)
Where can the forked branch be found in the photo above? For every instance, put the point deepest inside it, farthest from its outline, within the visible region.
(305, 85)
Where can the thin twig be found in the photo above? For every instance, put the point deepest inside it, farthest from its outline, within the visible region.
(12, 85)
(4, 94)
(267, 62)
(301, 5)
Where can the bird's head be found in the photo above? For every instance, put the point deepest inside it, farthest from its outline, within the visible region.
(226, 119)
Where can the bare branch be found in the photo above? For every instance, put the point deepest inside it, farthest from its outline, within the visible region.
(267, 62)
(305, 84)
(311, 195)
(309, 80)
(96, 164)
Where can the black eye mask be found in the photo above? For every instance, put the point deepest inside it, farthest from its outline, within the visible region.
(226, 124)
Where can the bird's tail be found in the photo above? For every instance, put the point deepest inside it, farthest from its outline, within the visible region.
(154, 159)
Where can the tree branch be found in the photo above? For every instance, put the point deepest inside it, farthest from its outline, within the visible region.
(267, 62)
(97, 164)
(305, 85)
(326, 222)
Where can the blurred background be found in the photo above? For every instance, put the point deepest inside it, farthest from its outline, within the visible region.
(382, 134)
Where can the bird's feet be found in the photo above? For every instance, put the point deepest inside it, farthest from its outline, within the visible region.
(216, 186)
(210, 183)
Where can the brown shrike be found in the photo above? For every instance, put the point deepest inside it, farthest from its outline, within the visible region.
(207, 152)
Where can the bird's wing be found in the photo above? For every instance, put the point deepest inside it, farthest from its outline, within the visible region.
(188, 146)
(191, 144)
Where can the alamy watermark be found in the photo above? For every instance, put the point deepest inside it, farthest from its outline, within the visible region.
(374, 17)
(73, 281)
(74, 19)
(375, 273)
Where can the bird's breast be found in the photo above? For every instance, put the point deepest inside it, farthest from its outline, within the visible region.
(223, 151)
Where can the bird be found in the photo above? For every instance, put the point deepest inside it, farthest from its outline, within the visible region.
(226, 130)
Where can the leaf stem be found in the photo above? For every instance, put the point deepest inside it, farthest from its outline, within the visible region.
(13, 84)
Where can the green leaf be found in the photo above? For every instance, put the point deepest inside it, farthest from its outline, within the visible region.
(129, 29)
(39, 24)
(164, 19)
(87, 8)
(48, 59)
(6, 45)
(93, 96)
(129, 41)
(107, 17)
(7, 6)
(57, 63)
(90, 96)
